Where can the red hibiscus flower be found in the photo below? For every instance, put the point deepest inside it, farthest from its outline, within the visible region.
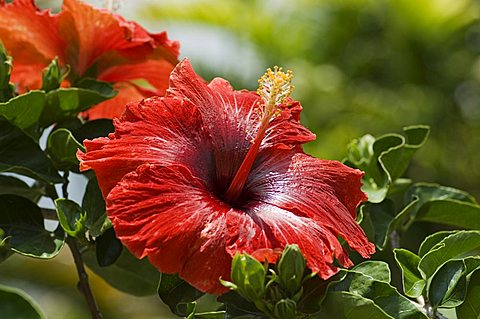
(94, 43)
(193, 178)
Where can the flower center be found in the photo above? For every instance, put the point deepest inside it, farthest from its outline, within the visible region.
(274, 88)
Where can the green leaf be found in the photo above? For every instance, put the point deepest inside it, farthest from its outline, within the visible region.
(108, 248)
(385, 159)
(7, 89)
(377, 270)
(435, 203)
(346, 305)
(128, 274)
(20, 154)
(413, 284)
(22, 222)
(466, 215)
(66, 102)
(24, 110)
(14, 303)
(53, 75)
(448, 286)
(382, 294)
(192, 314)
(177, 294)
(71, 217)
(379, 217)
(15, 186)
(432, 240)
(93, 204)
(459, 245)
(470, 308)
(62, 148)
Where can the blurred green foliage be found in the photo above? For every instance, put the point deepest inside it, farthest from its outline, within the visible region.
(361, 66)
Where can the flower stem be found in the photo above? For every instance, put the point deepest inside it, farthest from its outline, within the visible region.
(83, 284)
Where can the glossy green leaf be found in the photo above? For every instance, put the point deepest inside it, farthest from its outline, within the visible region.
(108, 248)
(66, 102)
(382, 295)
(22, 222)
(385, 159)
(470, 308)
(177, 294)
(378, 217)
(128, 274)
(413, 284)
(7, 89)
(62, 148)
(20, 154)
(71, 217)
(458, 245)
(432, 240)
(94, 206)
(24, 110)
(14, 303)
(15, 186)
(346, 305)
(435, 203)
(377, 270)
(448, 286)
(451, 212)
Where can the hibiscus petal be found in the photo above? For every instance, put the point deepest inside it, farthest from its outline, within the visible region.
(263, 229)
(30, 34)
(109, 32)
(328, 192)
(116, 106)
(167, 214)
(155, 130)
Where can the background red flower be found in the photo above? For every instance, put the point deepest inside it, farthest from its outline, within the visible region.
(94, 43)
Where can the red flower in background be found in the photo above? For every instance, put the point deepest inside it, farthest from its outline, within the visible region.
(94, 43)
(205, 172)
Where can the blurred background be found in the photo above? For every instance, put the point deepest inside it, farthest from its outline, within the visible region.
(360, 66)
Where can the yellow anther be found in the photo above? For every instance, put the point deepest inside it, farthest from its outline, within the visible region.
(274, 88)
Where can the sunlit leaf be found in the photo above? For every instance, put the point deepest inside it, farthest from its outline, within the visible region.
(459, 245)
(413, 284)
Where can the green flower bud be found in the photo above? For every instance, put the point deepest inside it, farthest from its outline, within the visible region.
(248, 274)
(285, 309)
(53, 75)
(290, 269)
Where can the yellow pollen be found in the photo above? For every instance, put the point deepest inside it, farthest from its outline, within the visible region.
(274, 88)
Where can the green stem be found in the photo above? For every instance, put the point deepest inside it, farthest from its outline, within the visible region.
(83, 284)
